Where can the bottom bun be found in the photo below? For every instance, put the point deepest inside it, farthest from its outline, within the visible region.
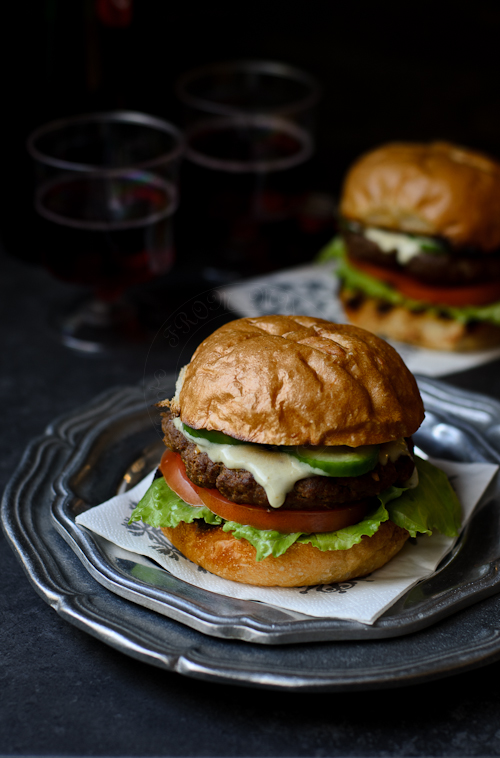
(422, 328)
(302, 564)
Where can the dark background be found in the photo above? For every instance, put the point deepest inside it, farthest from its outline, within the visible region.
(389, 70)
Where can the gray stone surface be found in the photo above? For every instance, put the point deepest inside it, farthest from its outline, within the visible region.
(65, 693)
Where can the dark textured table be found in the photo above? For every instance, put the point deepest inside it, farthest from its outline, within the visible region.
(65, 693)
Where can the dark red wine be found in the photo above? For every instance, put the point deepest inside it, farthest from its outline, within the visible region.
(108, 233)
(241, 187)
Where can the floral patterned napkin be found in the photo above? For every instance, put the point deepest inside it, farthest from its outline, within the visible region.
(362, 600)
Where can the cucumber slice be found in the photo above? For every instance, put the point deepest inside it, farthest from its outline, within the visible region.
(429, 244)
(213, 435)
(340, 460)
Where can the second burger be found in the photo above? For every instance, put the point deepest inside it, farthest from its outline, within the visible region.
(420, 245)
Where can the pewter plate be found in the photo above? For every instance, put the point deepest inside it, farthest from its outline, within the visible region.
(445, 624)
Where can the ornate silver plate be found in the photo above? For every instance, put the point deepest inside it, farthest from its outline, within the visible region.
(439, 627)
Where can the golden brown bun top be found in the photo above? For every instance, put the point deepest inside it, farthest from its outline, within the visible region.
(432, 189)
(289, 380)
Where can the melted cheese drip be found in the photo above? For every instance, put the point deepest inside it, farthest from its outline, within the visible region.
(405, 247)
(276, 472)
(391, 451)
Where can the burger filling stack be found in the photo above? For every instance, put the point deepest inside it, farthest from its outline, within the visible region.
(289, 459)
(420, 245)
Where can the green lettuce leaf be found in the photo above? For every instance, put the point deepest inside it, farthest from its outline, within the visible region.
(265, 541)
(345, 538)
(433, 505)
(161, 506)
(334, 249)
(356, 280)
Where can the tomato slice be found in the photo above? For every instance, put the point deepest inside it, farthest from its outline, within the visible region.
(285, 521)
(174, 471)
(473, 294)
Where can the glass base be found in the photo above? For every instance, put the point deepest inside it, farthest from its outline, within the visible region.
(95, 326)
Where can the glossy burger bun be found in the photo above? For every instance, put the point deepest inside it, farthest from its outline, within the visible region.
(298, 380)
(302, 564)
(432, 189)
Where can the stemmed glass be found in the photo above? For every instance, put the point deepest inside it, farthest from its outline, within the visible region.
(106, 192)
(249, 128)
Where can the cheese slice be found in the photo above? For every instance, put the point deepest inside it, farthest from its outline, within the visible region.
(406, 247)
(276, 472)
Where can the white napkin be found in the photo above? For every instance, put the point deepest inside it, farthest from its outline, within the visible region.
(312, 291)
(362, 600)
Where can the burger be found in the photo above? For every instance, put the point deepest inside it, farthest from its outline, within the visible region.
(420, 245)
(289, 457)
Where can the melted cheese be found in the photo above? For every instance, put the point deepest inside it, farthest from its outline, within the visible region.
(404, 246)
(276, 472)
(391, 451)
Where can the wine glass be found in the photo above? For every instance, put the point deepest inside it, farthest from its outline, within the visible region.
(106, 191)
(250, 138)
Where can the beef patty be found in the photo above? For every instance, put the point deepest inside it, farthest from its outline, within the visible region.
(449, 267)
(314, 492)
